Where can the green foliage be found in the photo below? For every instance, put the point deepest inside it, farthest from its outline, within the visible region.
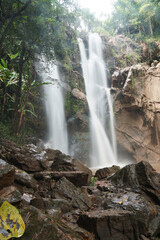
(135, 17)
(73, 105)
(7, 76)
(28, 28)
(93, 180)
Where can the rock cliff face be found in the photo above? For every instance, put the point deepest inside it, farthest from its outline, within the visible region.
(137, 108)
(137, 101)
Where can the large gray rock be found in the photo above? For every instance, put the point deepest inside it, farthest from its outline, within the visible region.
(10, 194)
(65, 163)
(78, 94)
(106, 172)
(66, 190)
(139, 176)
(120, 224)
(23, 178)
(41, 226)
(7, 174)
(29, 158)
(48, 204)
(78, 178)
(126, 207)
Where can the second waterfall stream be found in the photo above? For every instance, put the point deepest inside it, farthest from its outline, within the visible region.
(103, 148)
(54, 102)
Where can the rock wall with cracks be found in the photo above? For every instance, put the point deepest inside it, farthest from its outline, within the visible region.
(137, 110)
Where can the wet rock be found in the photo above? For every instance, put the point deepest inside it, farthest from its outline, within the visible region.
(66, 190)
(7, 174)
(10, 194)
(62, 162)
(29, 157)
(79, 166)
(27, 197)
(48, 204)
(139, 176)
(78, 94)
(36, 141)
(26, 179)
(78, 178)
(106, 172)
(109, 224)
(120, 223)
(65, 163)
(55, 213)
(40, 226)
(51, 154)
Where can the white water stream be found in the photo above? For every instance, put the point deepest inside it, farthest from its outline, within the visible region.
(104, 150)
(58, 137)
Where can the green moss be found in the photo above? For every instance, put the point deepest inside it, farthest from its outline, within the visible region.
(73, 105)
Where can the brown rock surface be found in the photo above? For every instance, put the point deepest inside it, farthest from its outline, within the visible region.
(106, 172)
(26, 179)
(137, 109)
(66, 190)
(7, 174)
(29, 158)
(139, 176)
(10, 194)
(78, 178)
(78, 94)
(40, 226)
(48, 204)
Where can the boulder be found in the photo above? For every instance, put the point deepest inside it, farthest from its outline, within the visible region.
(65, 163)
(121, 212)
(139, 176)
(66, 190)
(54, 213)
(29, 157)
(48, 204)
(109, 224)
(119, 224)
(106, 172)
(23, 178)
(40, 226)
(78, 178)
(10, 194)
(7, 174)
(78, 94)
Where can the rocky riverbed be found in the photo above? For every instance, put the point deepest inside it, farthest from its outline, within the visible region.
(60, 199)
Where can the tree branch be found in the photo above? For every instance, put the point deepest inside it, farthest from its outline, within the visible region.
(11, 21)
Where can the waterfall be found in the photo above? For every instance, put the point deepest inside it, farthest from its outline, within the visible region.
(104, 151)
(54, 102)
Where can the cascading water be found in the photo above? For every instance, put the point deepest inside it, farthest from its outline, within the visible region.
(104, 152)
(58, 137)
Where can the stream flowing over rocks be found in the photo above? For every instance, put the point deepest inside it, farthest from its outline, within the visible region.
(58, 199)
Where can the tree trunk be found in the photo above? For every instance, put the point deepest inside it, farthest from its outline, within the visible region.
(18, 91)
(4, 101)
(150, 27)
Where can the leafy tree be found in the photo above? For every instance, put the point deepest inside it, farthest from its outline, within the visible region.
(30, 27)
